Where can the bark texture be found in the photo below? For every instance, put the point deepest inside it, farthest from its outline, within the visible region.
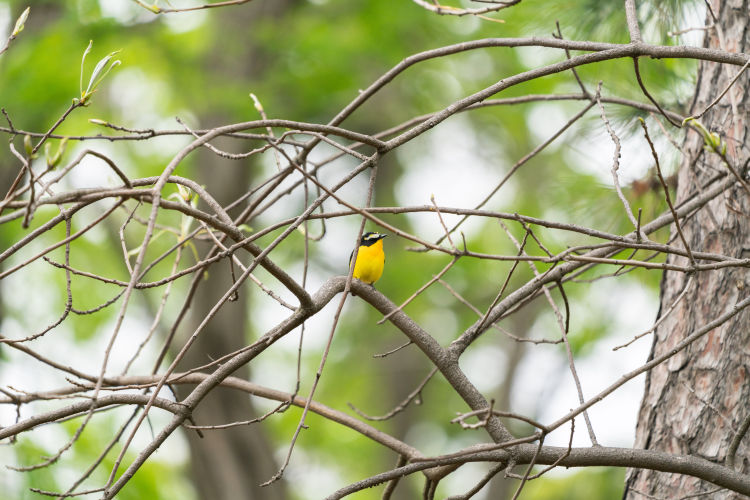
(696, 401)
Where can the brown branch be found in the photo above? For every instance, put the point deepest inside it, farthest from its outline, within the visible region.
(336, 316)
(578, 457)
(554, 275)
(443, 10)
(631, 15)
(413, 395)
(666, 194)
(616, 162)
(447, 365)
(695, 335)
(736, 440)
(648, 95)
(160, 10)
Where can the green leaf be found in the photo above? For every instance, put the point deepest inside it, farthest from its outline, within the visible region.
(712, 140)
(27, 146)
(54, 160)
(20, 22)
(101, 70)
(83, 61)
(185, 192)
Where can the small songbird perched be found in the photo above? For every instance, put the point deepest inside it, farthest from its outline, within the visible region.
(370, 258)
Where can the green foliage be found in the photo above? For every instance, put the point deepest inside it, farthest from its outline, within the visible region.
(305, 62)
(20, 22)
(590, 483)
(158, 479)
(101, 70)
(43, 479)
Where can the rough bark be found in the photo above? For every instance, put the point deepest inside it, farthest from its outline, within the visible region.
(695, 402)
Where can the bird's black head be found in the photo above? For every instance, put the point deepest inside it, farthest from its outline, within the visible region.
(370, 238)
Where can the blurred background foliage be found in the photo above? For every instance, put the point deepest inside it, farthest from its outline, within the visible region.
(305, 61)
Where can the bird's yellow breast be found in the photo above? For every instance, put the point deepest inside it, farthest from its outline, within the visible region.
(370, 262)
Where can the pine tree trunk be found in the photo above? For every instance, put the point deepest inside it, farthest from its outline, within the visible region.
(695, 402)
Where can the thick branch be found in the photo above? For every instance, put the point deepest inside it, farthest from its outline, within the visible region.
(578, 457)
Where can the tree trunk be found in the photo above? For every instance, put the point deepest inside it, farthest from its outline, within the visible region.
(695, 402)
(229, 464)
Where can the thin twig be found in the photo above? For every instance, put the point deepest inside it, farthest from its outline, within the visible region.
(615, 160)
(646, 93)
(391, 486)
(414, 395)
(324, 357)
(666, 194)
(722, 93)
(736, 440)
(391, 351)
(482, 482)
(559, 36)
(663, 315)
(421, 289)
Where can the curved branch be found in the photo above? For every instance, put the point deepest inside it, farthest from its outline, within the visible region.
(84, 406)
(333, 286)
(531, 287)
(146, 381)
(577, 457)
(618, 50)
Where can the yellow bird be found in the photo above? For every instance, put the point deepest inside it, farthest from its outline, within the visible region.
(370, 258)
